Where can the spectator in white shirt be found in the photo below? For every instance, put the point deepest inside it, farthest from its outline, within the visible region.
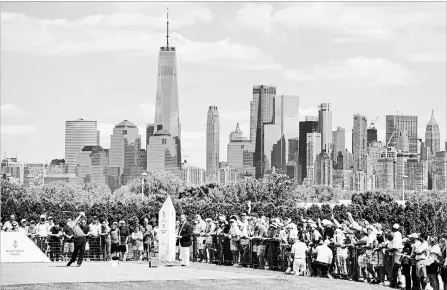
(298, 252)
(8, 224)
(396, 247)
(94, 239)
(421, 257)
(23, 227)
(323, 259)
(42, 233)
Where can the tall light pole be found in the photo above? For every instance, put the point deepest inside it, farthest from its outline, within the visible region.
(403, 186)
(143, 175)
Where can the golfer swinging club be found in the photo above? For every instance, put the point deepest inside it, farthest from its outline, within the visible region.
(79, 240)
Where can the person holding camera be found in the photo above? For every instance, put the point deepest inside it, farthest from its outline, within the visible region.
(79, 241)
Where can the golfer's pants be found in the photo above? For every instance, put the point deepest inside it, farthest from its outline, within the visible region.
(184, 255)
(79, 248)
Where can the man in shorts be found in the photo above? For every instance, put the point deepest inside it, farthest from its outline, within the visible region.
(298, 252)
(68, 240)
(124, 239)
(115, 239)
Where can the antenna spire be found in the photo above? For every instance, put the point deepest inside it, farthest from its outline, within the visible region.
(167, 27)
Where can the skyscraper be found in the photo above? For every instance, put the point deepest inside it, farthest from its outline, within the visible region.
(402, 141)
(395, 123)
(400, 168)
(440, 171)
(313, 150)
(371, 134)
(417, 172)
(345, 160)
(125, 146)
(78, 134)
(432, 135)
(92, 165)
(373, 151)
(262, 112)
(308, 126)
(212, 143)
(240, 152)
(359, 141)
(325, 126)
(167, 105)
(323, 169)
(193, 176)
(338, 142)
(274, 148)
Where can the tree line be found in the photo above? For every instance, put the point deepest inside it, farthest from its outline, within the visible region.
(279, 196)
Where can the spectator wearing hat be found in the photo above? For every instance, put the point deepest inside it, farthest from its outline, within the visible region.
(421, 256)
(23, 226)
(395, 247)
(50, 222)
(42, 234)
(31, 231)
(184, 235)
(55, 242)
(414, 242)
(105, 240)
(114, 239)
(124, 234)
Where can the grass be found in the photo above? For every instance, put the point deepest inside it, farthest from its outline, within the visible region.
(246, 284)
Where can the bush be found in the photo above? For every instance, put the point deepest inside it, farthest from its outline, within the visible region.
(424, 211)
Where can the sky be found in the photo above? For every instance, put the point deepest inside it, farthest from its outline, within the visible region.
(98, 60)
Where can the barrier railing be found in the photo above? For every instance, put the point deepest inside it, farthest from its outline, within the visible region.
(253, 253)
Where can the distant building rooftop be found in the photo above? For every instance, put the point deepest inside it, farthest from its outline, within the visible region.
(162, 133)
(125, 123)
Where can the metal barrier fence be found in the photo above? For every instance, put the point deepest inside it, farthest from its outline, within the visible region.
(253, 253)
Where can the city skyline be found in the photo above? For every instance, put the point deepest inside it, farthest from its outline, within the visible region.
(384, 82)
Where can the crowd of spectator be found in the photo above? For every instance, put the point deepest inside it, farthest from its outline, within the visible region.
(56, 238)
(348, 249)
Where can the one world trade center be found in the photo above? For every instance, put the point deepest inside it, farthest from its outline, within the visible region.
(166, 106)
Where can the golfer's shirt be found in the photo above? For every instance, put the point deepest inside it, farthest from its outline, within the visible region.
(77, 231)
